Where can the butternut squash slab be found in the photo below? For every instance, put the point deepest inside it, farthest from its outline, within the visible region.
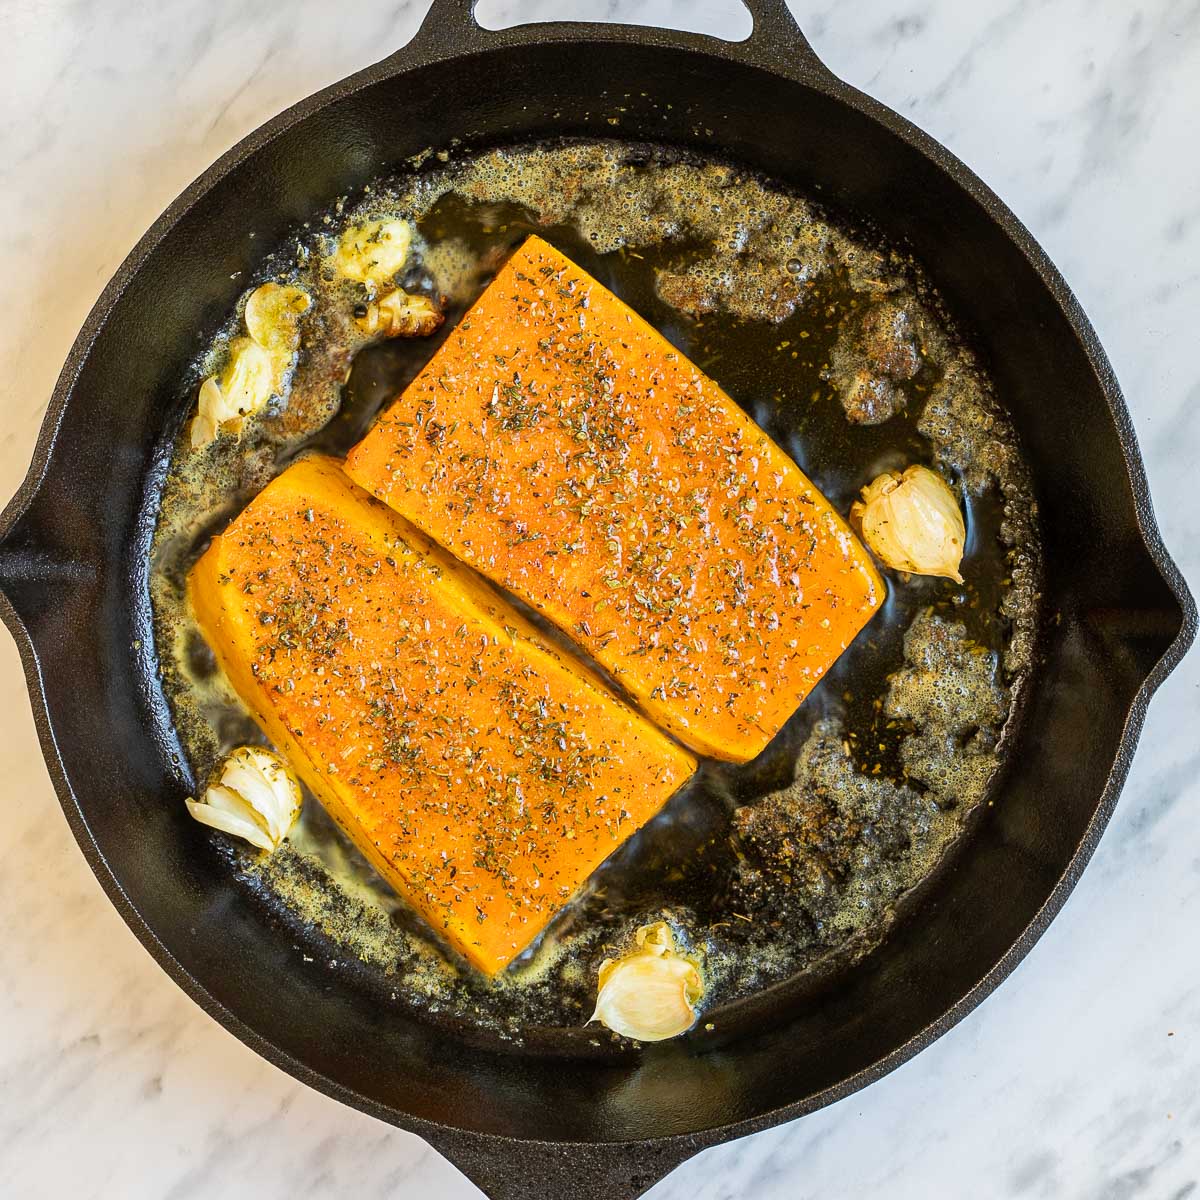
(562, 447)
(484, 778)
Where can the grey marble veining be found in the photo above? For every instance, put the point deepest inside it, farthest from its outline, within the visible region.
(1079, 1078)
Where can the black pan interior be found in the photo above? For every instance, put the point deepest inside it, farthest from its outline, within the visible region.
(1113, 615)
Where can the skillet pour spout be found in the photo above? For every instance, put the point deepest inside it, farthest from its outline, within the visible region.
(531, 1121)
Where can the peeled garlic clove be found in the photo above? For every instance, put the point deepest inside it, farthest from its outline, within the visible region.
(244, 387)
(248, 380)
(401, 314)
(273, 314)
(210, 404)
(256, 797)
(649, 995)
(257, 365)
(373, 252)
(912, 522)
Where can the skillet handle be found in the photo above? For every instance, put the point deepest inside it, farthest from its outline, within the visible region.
(775, 42)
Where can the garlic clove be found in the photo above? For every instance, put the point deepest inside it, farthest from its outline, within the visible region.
(646, 998)
(912, 522)
(226, 800)
(373, 252)
(265, 782)
(210, 405)
(240, 827)
(244, 387)
(256, 797)
(401, 314)
(249, 378)
(272, 316)
(649, 995)
(257, 364)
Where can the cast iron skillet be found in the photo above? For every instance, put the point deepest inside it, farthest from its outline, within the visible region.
(73, 568)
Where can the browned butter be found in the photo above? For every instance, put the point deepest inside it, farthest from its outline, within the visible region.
(770, 869)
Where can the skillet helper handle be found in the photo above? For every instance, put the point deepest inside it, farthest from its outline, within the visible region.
(775, 42)
(593, 1171)
(449, 26)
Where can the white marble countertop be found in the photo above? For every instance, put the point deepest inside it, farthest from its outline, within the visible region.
(1081, 1076)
